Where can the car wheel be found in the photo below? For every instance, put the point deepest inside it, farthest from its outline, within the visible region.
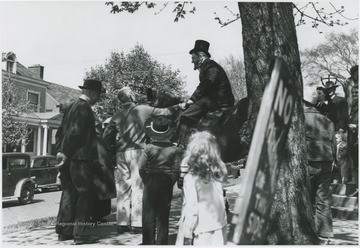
(26, 194)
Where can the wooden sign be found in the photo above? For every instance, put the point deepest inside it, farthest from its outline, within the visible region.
(252, 207)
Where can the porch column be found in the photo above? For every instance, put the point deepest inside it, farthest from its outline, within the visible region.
(23, 147)
(38, 143)
(45, 139)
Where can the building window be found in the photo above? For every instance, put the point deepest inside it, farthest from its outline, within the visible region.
(9, 61)
(10, 66)
(33, 99)
(30, 141)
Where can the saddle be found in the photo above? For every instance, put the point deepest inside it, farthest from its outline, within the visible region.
(213, 119)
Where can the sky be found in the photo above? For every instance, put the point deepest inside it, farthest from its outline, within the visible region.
(70, 37)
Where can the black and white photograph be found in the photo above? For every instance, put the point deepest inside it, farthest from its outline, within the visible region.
(204, 123)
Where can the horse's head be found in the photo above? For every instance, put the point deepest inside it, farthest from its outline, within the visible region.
(162, 99)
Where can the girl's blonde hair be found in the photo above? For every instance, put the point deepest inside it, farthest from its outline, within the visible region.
(203, 157)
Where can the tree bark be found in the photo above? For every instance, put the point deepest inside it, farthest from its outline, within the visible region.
(268, 30)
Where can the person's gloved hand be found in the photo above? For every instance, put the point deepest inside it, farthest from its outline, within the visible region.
(61, 158)
(182, 105)
(188, 103)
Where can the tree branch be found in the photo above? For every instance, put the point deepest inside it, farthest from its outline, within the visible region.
(340, 13)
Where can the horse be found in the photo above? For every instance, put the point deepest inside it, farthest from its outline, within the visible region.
(226, 126)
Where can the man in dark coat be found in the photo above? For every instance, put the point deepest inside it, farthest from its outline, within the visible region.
(325, 105)
(77, 149)
(340, 105)
(213, 92)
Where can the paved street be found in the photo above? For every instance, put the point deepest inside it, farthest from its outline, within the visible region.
(346, 231)
(45, 205)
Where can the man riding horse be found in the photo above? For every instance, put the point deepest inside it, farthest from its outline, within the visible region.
(213, 92)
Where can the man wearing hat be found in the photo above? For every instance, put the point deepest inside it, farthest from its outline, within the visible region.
(325, 105)
(159, 169)
(340, 105)
(319, 132)
(77, 149)
(126, 137)
(213, 92)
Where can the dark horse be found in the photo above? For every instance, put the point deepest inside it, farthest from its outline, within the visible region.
(226, 126)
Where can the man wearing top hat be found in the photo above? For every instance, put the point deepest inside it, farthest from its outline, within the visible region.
(213, 92)
(77, 149)
(340, 105)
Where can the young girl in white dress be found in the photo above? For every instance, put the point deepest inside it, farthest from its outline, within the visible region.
(203, 217)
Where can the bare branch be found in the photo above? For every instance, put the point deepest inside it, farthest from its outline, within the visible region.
(321, 17)
(164, 6)
(340, 13)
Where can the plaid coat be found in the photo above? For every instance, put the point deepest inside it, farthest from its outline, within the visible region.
(320, 134)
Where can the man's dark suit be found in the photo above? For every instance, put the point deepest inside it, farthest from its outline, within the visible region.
(341, 107)
(76, 138)
(213, 92)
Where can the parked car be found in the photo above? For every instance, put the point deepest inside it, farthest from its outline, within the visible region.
(46, 171)
(16, 177)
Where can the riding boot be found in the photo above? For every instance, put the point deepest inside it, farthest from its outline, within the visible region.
(183, 135)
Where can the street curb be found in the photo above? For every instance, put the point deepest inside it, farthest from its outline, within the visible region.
(30, 224)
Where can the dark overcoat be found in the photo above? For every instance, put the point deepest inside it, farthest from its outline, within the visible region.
(214, 88)
(341, 107)
(104, 170)
(78, 125)
(76, 138)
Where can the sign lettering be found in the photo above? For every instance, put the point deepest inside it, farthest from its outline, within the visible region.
(265, 156)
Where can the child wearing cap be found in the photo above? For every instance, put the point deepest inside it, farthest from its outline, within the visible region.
(159, 170)
(341, 155)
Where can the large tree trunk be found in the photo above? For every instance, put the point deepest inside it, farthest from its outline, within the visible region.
(268, 30)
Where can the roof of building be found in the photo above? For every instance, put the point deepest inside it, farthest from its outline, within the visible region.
(23, 71)
(62, 94)
(42, 116)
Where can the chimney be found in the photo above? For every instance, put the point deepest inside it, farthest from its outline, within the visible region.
(38, 70)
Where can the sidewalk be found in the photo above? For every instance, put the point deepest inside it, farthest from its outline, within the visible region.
(346, 231)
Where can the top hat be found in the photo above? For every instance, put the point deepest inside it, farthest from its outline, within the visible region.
(159, 127)
(92, 84)
(330, 84)
(201, 46)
